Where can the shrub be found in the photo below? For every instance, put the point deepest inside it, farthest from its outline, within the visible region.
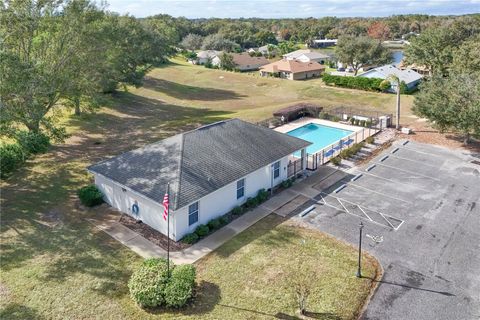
(12, 156)
(370, 140)
(357, 122)
(150, 285)
(147, 284)
(368, 84)
(336, 161)
(223, 220)
(90, 195)
(352, 120)
(33, 142)
(336, 118)
(262, 195)
(237, 211)
(287, 183)
(214, 224)
(202, 230)
(180, 286)
(251, 203)
(384, 85)
(362, 123)
(190, 238)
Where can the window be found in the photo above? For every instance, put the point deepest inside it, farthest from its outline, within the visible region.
(240, 188)
(276, 170)
(193, 213)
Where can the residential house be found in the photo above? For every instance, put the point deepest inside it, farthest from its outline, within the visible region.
(323, 43)
(292, 69)
(264, 50)
(206, 55)
(210, 171)
(410, 77)
(307, 56)
(243, 61)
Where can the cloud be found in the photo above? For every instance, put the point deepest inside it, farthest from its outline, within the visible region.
(291, 8)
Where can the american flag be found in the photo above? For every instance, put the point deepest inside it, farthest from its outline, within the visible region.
(165, 206)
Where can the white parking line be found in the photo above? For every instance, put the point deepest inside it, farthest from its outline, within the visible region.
(389, 180)
(421, 162)
(383, 194)
(411, 172)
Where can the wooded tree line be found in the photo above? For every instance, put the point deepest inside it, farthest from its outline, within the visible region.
(254, 32)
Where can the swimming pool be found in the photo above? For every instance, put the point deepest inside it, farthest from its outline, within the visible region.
(321, 136)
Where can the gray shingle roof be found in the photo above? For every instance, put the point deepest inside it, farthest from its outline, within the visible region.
(198, 162)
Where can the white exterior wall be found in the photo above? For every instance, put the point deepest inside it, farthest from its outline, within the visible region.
(225, 199)
(150, 212)
(211, 206)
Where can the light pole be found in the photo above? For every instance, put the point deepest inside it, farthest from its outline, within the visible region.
(359, 270)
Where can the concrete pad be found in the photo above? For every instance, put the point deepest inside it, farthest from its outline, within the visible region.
(145, 248)
(279, 200)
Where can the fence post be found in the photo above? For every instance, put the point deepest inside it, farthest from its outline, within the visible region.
(323, 157)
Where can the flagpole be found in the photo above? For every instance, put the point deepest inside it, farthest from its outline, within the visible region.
(168, 231)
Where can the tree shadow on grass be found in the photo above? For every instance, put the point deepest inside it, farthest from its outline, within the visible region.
(130, 122)
(14, 311)
(187, 92)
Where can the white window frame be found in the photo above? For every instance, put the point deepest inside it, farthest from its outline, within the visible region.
(242, 187)
(275, 169)
(197, 211)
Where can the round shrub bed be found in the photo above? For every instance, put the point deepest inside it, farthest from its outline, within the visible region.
(90, 195)
(151, 287)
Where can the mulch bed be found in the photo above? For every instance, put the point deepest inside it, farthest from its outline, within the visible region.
(151, 234)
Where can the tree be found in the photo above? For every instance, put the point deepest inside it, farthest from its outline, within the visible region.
(379, 30)
(360, 51)
(226, 62)
(451, 103)
(287, 46)
(37, 51)
(192, 41)
(436, 46)
(218, 42)
(466, 58)
(265, 37)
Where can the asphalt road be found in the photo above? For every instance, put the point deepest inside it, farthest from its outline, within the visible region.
(423, 201)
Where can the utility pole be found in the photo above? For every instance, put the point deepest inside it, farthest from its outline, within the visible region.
(359, 269)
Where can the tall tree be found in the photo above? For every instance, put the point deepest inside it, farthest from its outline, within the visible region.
(379, 30)
(37, 51)
(361, 51)
(451, 103)
(192, 41)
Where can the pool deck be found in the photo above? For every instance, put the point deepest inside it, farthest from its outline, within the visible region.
(303, 121)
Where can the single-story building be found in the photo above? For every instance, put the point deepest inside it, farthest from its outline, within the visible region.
(265, 51)
(243, 61)
(410, 77)
(204, 56)
(295, 54)
(292, 69)
(307, 56)
(323, 43)
(210, 170)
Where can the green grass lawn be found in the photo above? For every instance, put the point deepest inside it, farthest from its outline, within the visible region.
(55, 265)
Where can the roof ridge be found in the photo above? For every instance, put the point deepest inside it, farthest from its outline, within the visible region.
(179, 172)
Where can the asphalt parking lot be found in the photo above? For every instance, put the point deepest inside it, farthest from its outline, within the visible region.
(421, 205)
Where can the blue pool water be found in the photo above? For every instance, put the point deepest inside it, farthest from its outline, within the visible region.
(321, 136)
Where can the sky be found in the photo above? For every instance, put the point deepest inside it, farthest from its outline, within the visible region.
(291, 8)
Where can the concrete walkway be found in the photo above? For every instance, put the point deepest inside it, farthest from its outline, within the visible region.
(147, 249)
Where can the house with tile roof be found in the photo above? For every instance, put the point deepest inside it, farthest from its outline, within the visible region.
(292, 69)
(210, 171)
